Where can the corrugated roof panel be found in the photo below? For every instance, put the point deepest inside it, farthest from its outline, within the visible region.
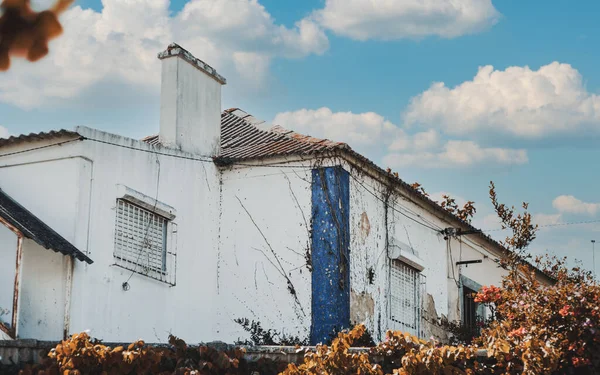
(35, 229)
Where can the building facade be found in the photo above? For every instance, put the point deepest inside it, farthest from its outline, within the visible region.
(220, 217)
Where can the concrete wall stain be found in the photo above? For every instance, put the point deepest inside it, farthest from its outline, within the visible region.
(365, 227)
(362, 307)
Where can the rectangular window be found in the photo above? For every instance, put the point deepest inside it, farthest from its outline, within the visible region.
(473, 313)
(405, 298)
(469, 308)
(140, 240)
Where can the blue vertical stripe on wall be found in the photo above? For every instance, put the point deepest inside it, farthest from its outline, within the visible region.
(330, 252)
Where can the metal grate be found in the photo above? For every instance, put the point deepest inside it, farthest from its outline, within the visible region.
(405, 296)
(141, 241)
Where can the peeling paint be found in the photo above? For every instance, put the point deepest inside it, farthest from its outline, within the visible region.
(365, 227)
(362, 307)
(430, 321)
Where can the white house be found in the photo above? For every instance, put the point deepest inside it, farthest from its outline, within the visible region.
(214, 219)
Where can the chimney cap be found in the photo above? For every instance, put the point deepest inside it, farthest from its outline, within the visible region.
(175, 49)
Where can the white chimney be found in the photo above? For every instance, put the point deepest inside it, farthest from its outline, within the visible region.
(190, 103)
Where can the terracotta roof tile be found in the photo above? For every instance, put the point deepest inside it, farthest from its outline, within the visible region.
(242, 139)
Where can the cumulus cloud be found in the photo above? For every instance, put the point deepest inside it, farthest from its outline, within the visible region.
(571, 205)
(4, 132)
(419, 141)
(371, 132)
(516, 101)
(121, 42)
(388, 20)
(356, 129)
(458, 154)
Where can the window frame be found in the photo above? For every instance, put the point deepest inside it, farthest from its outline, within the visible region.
(480, 310)
(417, 300)
(157, 211)
(163, 222)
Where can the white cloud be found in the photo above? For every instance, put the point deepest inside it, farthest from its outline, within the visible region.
(121, 43)
(388, 19)
(490, 221)
(570, 204)
(246, 26)
(4, 132)
(419, 141)
(517, 101)
(356, 129)
(251, 66)
(371, 132)
(458, 154)
(546, 219)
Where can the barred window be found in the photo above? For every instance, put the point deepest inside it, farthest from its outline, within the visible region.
(405, 296)
(140, 240)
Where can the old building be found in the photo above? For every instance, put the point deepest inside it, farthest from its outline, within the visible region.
(220, 217)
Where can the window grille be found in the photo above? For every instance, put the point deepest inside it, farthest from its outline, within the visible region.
(141, 242)
(405, 296)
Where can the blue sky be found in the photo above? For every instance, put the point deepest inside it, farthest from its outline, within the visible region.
(500, 90)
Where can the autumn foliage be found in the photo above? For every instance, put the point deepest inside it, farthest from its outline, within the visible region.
(539, 329)
(26, 33)
(80, 355)
(546, 320)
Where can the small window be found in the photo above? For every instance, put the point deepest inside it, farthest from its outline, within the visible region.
(473, 313)
(405, 301)
(141, 240)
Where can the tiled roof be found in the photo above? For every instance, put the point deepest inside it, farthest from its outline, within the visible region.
(35, 229)
(243, 139)
(31, 137)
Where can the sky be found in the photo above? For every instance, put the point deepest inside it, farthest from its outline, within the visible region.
(450, 93)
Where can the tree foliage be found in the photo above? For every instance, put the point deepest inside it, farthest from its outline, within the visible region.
(464, 213)
(541, 325)
(26, 33)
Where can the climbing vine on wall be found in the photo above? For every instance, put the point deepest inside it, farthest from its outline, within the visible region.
(464, 213)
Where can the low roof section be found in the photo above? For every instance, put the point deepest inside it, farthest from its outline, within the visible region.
(30, 226)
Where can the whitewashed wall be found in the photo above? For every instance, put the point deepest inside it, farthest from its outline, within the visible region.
(368, 299)
(225, 268)
(149, 309)
(8, 254)
(76, 184)
(253, 271)
(369, 302)
(42, 293)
